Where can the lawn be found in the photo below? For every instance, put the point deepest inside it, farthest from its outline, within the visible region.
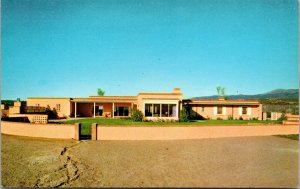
(87, 122)
(292, 136)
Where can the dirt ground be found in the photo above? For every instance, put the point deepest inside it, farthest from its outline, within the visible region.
(227, 162)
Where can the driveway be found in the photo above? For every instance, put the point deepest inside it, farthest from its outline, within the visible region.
(224, 162)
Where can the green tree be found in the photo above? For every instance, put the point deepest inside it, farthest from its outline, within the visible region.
(184, 115)
(221, 91)
(100, 92)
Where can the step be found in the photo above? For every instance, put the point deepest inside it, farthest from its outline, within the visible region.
(287, 122)
(293, 118)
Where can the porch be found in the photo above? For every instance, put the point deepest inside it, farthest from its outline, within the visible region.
(101, 108)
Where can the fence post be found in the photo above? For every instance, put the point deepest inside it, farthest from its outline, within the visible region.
(94, 131)
(77, 131)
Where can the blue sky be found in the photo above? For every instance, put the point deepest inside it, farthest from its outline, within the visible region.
(69, 48)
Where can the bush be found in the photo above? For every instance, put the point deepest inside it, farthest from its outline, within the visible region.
(219, 118)
(240, 118)
(136, 115)
(282, 117)
(52, 114)
(184, 116)
(230, 117)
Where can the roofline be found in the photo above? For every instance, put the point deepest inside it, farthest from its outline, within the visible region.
(112, 96)
(48, 97)
(153, 93)
(216, 100)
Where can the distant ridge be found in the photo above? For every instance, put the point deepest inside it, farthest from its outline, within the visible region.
(274, 94)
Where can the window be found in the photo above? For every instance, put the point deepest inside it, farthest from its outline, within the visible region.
(121, 111)
(98, 110)
(165, 110)
(156, 111)
(172, 110)
(219, 110)
(148, 110)
(244, 110)
(57, 107)
(160, 110)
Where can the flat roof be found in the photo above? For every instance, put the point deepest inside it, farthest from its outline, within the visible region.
(223, 102)
(48, 97)
(108, 99)
(153, 93)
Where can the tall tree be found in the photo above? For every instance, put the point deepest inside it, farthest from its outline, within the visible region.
(100, 92)
(221, 91)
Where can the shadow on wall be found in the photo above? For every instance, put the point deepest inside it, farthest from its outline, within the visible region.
(194, 115)
(16, 119)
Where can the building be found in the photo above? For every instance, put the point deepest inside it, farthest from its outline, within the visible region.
(153, 105)
(224, 109)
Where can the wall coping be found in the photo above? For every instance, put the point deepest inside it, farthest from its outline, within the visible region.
(193, 126)
(37, 124)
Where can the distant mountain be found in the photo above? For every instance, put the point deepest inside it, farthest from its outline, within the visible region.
(274, 94)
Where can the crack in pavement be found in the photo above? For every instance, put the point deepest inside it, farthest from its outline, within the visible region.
(67, 172)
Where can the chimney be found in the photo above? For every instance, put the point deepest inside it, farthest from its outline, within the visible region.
(176, 90)
(221, 98)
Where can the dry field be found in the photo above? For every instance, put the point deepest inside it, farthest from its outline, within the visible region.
(228, 162)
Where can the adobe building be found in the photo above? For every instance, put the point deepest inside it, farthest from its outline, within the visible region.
(153, 105)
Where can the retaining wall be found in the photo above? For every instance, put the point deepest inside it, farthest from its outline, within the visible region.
(174, 133)
(58, 131)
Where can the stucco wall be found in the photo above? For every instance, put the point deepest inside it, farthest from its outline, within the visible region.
(230, 111)
(65, 104)
(59, 131)
(173, 133)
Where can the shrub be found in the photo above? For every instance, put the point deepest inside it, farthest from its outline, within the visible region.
(282, 117)
(183, 116)
(219, 118)
(52, 114)
(230, 117)
(137, 115)
(240, 118)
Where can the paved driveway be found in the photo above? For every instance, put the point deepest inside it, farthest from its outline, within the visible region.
(224, 162)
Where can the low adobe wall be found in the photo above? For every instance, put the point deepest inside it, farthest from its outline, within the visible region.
(190, 132)
(58, 131)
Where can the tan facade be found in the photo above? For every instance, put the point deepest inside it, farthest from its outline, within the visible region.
(153, 105)
(225, 109)
(61, 105)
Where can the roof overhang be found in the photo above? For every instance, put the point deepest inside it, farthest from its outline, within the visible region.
(222, 102)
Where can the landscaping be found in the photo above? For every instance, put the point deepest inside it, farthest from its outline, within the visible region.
(293, 136)
(87, 122)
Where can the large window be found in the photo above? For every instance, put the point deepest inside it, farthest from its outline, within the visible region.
(160, 110)
(156, 111)
(98, 110)
(148, 110)
(121, 111)
(165, 110)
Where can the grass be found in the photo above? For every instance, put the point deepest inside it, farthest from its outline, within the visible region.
(87, 122)
(292, 136)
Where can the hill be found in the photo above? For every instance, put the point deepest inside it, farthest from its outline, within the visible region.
(283, 94)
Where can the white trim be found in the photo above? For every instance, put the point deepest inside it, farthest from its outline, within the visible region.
(94, 109)
(75, 109)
